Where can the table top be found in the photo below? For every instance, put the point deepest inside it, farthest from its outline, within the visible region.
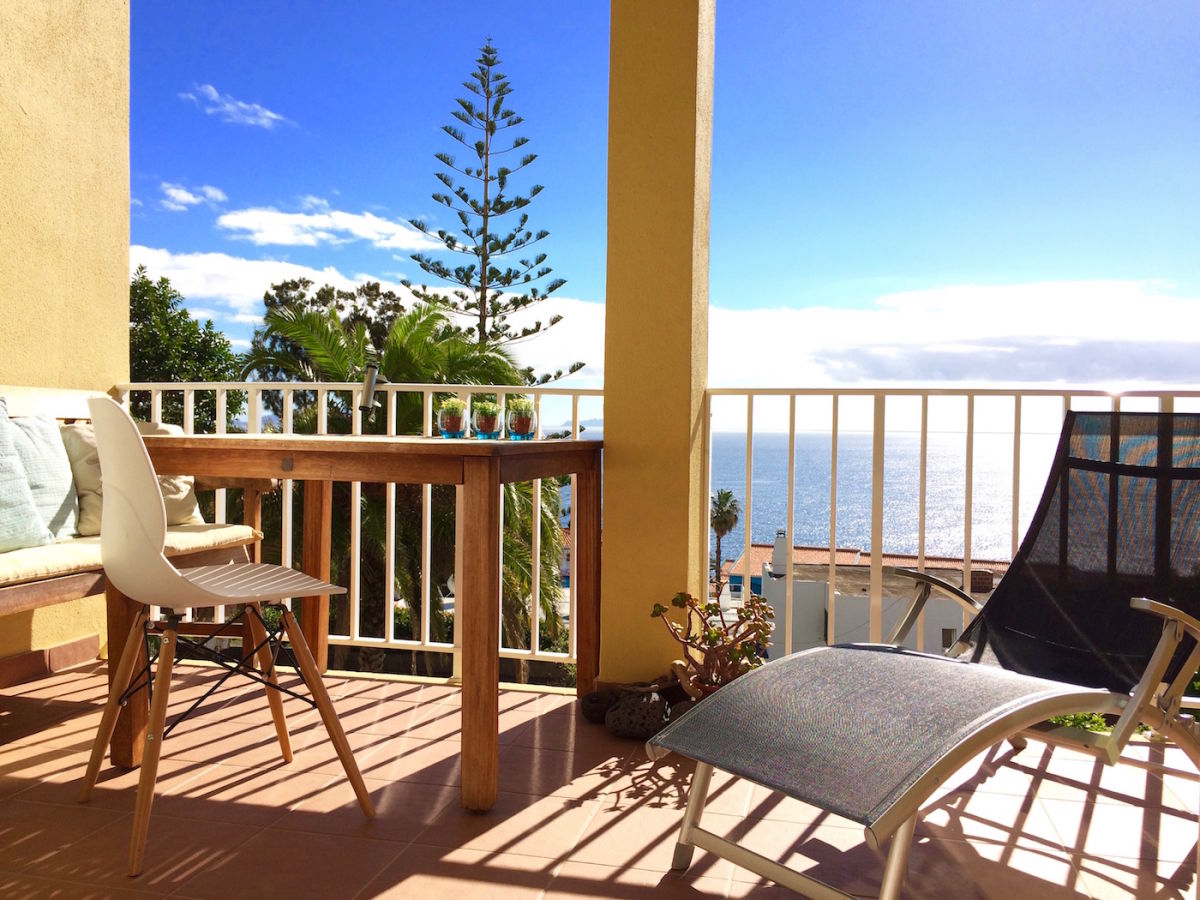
(370, 458)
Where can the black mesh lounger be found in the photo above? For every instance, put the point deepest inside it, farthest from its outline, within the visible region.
(1098, 613)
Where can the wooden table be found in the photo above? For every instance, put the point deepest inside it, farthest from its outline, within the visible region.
(480, 467)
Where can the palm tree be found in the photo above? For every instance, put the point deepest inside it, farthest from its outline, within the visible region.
(421, 347)
(723, 518)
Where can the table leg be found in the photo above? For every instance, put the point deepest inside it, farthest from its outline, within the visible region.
(587, 575)
(129, 735)
(478, 604)
(315, 551)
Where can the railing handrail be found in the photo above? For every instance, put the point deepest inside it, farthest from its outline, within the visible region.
(951, 391)
(402, 386)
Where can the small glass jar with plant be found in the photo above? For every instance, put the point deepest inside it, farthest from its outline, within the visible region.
(485, 420)
(718, 646)
(452, 417)
(521, 420)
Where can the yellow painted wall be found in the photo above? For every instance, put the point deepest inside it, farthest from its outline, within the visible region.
(656, 325)
(64, 223)
(64, 192)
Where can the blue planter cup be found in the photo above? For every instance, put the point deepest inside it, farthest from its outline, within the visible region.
(450, 423)
(521, 426)
(485, 425)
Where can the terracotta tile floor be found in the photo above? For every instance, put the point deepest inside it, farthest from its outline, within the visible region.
(580, 814)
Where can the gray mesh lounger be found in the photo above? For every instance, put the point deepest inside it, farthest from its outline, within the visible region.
(1096, 614)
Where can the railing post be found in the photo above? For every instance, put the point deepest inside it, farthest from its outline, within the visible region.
(877, 445)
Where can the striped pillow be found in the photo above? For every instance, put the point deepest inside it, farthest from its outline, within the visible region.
(20, 523)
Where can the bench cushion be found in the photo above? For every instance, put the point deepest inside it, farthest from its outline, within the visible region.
(20, 524)
(179, 495)
(48, 470)
(82, 554)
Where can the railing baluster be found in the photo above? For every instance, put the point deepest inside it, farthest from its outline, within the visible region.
(286, 425)
(968, 502)
(1016, 479)
(922, 494)
(831, 601)
(389, 531)
(354, 590)
(877, 520)
(747, 573)
(789, 588)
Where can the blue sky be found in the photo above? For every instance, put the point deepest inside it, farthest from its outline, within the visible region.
(904, 192)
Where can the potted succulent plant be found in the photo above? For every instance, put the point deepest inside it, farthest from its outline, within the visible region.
(521, 419)
(451, 418)
(485, 420)
(717, 646)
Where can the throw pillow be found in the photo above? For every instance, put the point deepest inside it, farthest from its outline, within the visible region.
(179, 495)
(40, 447)
(20, 524)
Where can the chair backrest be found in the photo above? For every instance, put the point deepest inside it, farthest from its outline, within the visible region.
(133, 523)
(1120, 518)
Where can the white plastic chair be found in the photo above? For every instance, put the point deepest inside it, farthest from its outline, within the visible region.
(133, 530)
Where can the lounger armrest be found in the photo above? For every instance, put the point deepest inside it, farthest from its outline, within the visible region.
(1170, 613)
(1143, 704)
(927, 583)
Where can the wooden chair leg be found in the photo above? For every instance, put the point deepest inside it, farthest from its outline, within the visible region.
(108, 721)
(154, 730)
(308, 667)
(259, 635)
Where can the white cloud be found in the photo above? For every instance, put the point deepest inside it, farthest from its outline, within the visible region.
(1066, 332)
(1118, 334)
(320, 225)
(178, 198)
(232, 287)
(230, 109)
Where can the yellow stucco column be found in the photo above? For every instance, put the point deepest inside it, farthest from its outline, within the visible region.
(64, 193)
(656, 326)
(64, 227)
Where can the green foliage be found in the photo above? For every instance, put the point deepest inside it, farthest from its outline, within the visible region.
(487, 408)
(521, 406)
(723, 518)
(499, 274)
(1086, 721)
(275, 357)
(715, 649)
(167, 344)
(453, 406)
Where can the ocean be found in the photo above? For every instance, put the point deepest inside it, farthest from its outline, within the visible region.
(991, 536)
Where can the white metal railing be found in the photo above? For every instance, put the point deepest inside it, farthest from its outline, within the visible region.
(552, 405)
(951, 414)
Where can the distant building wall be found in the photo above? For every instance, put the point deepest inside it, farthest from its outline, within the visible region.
(852, 612)
(64, 193)
(64, 225)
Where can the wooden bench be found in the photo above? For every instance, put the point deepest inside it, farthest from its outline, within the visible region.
(69, 570)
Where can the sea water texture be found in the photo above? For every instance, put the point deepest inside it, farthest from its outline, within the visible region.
(945, 501)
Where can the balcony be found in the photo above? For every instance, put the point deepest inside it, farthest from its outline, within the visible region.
(580, 814)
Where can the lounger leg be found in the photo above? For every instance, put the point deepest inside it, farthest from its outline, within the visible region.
(259, 635)
(121, 678)
(308, 667)
(697, 797)
(897, 861)
(154, 731)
